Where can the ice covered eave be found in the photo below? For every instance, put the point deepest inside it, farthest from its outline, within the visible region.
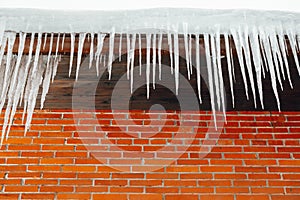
(142, 21)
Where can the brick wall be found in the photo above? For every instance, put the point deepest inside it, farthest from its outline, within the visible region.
(104, 155)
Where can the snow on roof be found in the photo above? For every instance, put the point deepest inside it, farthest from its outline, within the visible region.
(287, 5)
(198, 20)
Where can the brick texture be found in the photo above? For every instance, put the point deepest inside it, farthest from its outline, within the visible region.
(152, 156)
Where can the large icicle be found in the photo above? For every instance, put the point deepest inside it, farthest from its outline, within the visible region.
(56, 58)
(10, 113)
(210, 76)
(154, 59)
(245, 44)
(33, 92)
(220, 73)
(198, 68)
(46, 81)
(72, 52)
(133, 41)
(186, 46)
(79, 54)
(170, 51)
(91, 50)
(111, 52)
(268, 52)
(100, 41)
(281, 39)
(176, 59)
(256, 55)
(239, 50)
(159, 53)
(293, 45)
(215, 69)
(229, 65)
(11, 37)
(140, 53)
(128, 54)
(120, 47)
(148, 39)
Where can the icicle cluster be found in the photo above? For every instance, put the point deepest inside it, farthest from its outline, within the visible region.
(260, 49)
(21, 77)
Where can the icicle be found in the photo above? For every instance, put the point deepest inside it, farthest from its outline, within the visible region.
(154, 59)
(140, 53)
(255, 47)
(176, 59)
(72, 52)
(133, 41)
(91, 50)
(276, 52)
(63, 41)
(232, 64)
(128, 55)
(16, 97)
(45, 41)
(215, 69)
(148, 38)
(111, 52)
(11, 37)
(55, 58)
(170, 51)
(198, 67)
(57, 45)
(220, 73)
(120, 47)
(281, 39)
(229, 65)
(292, 40)
(46, 82)
(268, 52)
(100, 41)
(159, 54)
(273, 44)
(12, 90)
(190, 53)
(10, 96)
(50, 50)
(56, 61)
(245, 44)
(37, 55)
(210, 77)
(239, 51)
(36, 82)
(186, 46)
(22, 86)
(80, 48)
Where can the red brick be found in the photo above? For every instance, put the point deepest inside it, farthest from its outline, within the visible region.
(17, 188)
(216, 197)
(215, 169)
(285, 197)
(181, 197)
(110, 196)
(9, 196)
(252, 197)
(56, 188)
(145, 197)
(74, 196)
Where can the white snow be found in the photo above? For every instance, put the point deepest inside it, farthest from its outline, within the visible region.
(259, 39)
